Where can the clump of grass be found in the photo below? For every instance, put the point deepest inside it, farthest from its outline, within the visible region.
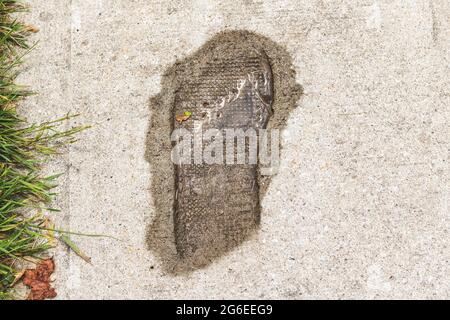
(24, 192)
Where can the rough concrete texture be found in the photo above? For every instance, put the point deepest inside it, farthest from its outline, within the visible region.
(359, 208)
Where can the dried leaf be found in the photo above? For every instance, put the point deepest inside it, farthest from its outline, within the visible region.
(32, 29)
(17, 277)
(38, 280)
(48, 224)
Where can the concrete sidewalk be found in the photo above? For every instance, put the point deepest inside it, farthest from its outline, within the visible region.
(360, 207)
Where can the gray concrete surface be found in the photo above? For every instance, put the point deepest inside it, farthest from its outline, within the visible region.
(360, 207)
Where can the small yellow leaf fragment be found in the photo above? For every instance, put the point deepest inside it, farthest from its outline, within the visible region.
(184, 117)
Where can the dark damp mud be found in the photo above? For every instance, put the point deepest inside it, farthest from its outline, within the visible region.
(161, 235)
